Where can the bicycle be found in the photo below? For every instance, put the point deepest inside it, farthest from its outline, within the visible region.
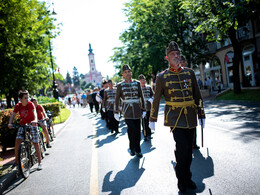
(42, 138)
(27, 156)
(50, 125)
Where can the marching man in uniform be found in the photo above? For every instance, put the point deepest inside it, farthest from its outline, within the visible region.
(148, 99)
(133, 109)
(109, 101)
(183, 103)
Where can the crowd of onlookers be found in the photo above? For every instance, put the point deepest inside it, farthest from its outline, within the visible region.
(209, 85)
(84, 99)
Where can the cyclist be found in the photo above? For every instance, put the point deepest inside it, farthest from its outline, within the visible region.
(28, 115)
(41, 114)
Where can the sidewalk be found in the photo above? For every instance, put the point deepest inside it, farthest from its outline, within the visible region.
(7, 174)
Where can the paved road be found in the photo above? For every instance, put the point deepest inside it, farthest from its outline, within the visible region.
(87, 159)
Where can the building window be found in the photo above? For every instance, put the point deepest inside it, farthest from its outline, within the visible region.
(91, 60)
(92, 69)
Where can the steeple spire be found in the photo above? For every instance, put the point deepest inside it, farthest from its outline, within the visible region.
(90, 50)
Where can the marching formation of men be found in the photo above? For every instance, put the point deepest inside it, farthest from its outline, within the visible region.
(139, 106)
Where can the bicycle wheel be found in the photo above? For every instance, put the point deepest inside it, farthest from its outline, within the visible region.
(24, 163)
(52, 131)
(50, 134)
(41, 144)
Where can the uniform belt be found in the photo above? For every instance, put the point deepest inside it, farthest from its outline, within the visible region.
(183, 106)
(131, 101)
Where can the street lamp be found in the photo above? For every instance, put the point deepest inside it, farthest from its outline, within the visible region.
(54, 85)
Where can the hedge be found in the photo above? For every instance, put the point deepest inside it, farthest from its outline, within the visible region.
(7, 136)
(53, 107)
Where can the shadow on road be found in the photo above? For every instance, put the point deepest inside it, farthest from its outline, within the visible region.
(147, 146)
(126, 178)
(18, 181)
(201, 168)
(247, 115)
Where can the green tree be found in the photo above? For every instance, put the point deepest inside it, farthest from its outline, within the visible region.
(82, 76)
(219, 20)
(68, 78)
(24, 46)
(75, 76)
(153, 25)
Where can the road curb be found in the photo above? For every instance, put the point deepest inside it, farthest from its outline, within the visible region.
(63, 125)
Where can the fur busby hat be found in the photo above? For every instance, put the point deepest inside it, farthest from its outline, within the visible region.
(173, 46)
(104, 81)
(125, 67)
(141, 76)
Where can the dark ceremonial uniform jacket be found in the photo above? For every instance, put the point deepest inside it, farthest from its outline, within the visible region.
(182, 96)
(109, 99)
(148, 93)
(132, 99)
(89, 98)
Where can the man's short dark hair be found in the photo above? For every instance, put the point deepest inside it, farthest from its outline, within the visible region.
(21, 93)
(109, 81)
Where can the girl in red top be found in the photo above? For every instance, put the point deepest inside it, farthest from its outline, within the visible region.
(42, 115)
(28, 115)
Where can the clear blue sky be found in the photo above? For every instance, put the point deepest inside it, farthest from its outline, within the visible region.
(98, 22)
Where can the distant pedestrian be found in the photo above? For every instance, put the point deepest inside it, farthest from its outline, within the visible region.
(200, 83)
(69, 101)
(210, 84)
(96, 103)
(206, 84)
(218, 84)
(90, 101)
(108, 107)
(101, 93)
(84, 99)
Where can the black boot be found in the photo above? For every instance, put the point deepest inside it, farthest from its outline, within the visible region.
(191, 185)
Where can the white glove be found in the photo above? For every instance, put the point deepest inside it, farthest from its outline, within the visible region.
(98, 98)
(152, 125)
(150, 100)
(203, 121)
(143, 115)
(116, 116)
(103, 109)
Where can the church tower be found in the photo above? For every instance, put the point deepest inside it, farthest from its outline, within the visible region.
(93, 76)
(92, 66)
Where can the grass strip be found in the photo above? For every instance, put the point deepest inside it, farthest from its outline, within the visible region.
(64, 115)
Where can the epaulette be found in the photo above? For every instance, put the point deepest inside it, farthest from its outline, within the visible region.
(163, 71)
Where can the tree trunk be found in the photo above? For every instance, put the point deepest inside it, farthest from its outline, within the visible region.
(8, 101)
(236, 60)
